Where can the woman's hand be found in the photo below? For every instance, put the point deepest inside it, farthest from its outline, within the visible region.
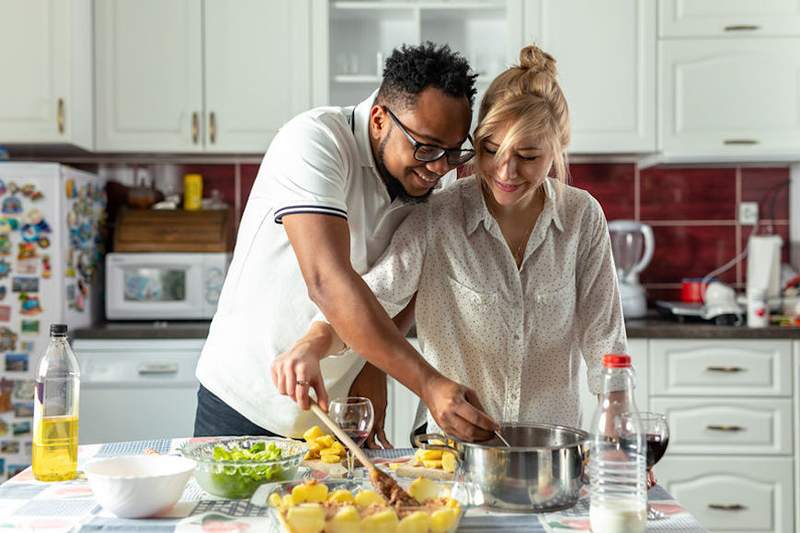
(297, 370)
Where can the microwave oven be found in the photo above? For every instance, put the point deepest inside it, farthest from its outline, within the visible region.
(164, 286)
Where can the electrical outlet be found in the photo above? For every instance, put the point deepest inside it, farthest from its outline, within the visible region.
(748, 213)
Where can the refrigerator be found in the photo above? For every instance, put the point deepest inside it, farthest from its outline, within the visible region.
(52, 220)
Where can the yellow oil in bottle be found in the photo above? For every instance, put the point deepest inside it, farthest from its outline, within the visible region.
(55, 448)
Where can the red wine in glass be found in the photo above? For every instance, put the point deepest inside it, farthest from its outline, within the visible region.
(656, 447)
(358, 436)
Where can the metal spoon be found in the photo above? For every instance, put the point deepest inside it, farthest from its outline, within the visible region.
(499, 436)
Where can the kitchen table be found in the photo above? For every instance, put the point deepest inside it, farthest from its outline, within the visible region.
(30, 505)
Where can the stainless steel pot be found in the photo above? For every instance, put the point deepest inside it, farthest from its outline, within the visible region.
(542, 471)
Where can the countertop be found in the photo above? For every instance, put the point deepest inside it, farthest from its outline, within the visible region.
(652, 327)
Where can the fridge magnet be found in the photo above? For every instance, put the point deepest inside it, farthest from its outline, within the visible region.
(29, 190)
(23, 390)
(3, 291)
(5, 244)
(43, 242)
(71, 190)
(21, 428)
(3, 428)
(26, 250)
(28, 267)
(17, 362)
(47, 270)
(9, 447)
(8, 340)
(2, 187)
(23, 409)
(3, 465)
(13, 470)
(5, 313)
(29, 304)
(27, 326)
(5, 268)
(11, 206)
(6, 388)
(20, 284)
(5, 225)
(13, 188)
(26, 346)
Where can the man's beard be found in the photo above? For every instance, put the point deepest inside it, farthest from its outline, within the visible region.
(393, 185)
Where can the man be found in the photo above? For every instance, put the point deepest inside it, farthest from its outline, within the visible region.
(333, 186)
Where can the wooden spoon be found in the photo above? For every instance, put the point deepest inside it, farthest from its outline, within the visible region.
(384, 483)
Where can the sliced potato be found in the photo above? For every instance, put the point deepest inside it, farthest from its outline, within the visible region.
(346, 520)
(366, 497)
(325, 441)
(432, 463)
(444, 520)
(312, 433)
(423, 489)
(449, 462)
(380, 522)
(330, 459)
(416, 522)
(306, 518)
(341, 496)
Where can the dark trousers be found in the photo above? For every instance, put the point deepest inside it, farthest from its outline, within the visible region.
(215, 418)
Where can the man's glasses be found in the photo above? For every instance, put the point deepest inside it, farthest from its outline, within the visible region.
(427, 153)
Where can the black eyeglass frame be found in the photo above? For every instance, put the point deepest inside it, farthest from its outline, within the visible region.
(438, 150)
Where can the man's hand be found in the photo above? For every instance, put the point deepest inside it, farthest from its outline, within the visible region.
(371, 383)
(297, 370)
(457, 410)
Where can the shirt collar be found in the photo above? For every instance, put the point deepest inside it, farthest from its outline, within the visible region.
(477, 212)
(360, 125)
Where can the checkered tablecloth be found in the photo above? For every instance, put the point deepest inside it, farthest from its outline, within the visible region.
(30, 505)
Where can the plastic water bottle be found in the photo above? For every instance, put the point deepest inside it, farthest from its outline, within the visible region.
(617, 455)
(55, 410)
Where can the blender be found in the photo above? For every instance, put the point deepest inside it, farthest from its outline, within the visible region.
(632, 244)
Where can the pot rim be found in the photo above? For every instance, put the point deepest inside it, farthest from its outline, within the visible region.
(582, 438)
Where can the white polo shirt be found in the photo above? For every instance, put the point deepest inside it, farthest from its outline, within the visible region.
(319, 162)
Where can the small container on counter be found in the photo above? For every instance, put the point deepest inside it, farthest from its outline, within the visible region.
(757, 309)
(192, 192)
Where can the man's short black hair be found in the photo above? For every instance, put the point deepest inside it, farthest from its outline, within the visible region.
(411, 69)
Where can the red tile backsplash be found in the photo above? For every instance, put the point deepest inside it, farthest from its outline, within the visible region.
(611, 184)
(770, 188)
(690, 251)
(677, 193)
(248, 173)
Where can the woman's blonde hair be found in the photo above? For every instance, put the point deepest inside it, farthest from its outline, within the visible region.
(527, 97)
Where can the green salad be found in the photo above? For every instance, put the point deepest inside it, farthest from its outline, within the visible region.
(241, 481)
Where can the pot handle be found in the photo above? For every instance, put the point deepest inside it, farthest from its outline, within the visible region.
(423, 441)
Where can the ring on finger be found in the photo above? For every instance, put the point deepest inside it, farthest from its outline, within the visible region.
(303, 383)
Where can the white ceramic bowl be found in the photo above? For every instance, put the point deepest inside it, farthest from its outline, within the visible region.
(137, 486)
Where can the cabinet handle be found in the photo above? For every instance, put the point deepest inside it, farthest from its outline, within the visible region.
(195, 127)
(742, 27)
(60, 116)
(740, 142)
(158, 369)
(725, 369)
(727, 507)
(212, 127)
(722, 427)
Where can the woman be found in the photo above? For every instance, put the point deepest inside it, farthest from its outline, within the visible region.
(513, 269)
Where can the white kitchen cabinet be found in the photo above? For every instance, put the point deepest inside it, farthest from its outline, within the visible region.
(149, 60)
(728, 18)
(730, 98)
(606, 58)
(734, 367)
(47, 72)
(188, 76)
(724, 495)
(728, 426)
(257, 70)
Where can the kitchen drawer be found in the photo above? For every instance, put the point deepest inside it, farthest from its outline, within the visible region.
(732, 494)
(726, 367)
(727, 425)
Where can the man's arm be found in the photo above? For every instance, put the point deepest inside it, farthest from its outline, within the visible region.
(322, 246)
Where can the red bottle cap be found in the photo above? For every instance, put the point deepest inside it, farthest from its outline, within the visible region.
(614, 360)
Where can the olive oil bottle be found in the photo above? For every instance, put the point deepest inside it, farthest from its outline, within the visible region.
(55, 410)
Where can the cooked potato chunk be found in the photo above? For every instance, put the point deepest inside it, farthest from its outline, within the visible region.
(306, 518)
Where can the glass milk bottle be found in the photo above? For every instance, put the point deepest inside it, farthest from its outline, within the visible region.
(617, 455)
(55, 410)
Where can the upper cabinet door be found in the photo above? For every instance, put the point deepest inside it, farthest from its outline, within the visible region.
(731, 18)
(730, 98)
(149, 75)
(258, 70)
(606, 58)
(46, 71)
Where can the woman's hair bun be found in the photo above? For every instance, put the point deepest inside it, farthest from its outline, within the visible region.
(535, 59)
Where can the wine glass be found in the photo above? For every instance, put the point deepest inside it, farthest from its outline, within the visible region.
(355, 416)
(656, 430)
